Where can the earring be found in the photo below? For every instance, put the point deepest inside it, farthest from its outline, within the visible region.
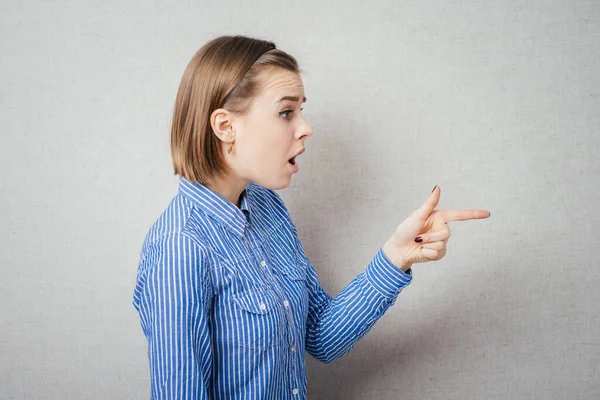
(230, 149)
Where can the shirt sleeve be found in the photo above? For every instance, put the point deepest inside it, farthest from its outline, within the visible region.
(173, 303)
(335, 324)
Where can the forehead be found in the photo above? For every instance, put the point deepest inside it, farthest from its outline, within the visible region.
(278, 82)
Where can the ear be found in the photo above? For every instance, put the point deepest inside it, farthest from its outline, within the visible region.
(221, 122)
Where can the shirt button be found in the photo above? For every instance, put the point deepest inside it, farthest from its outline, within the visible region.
(293, 347)
(262, 306)
(295, 391)
(286, 303)
(263, 263)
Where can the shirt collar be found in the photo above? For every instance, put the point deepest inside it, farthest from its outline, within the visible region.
(210, 202)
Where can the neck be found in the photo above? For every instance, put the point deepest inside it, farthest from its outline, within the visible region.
(229, 189)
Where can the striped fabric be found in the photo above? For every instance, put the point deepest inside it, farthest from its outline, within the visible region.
(230, 303)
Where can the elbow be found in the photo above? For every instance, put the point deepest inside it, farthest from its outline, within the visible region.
(329, 354)
(326, 357)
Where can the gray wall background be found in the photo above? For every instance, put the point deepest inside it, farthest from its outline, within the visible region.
(497, 102)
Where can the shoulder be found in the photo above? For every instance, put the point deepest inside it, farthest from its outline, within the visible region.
(171, 221)
(174, 258)
(169, 235)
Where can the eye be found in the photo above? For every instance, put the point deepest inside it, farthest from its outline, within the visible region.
(286, 112)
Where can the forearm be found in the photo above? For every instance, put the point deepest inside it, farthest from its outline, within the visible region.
(335, 324)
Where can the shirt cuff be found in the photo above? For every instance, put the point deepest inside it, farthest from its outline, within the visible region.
(388, 279)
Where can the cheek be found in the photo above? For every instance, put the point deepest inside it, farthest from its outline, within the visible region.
(274, 145)
(264, 153)
(266, 144)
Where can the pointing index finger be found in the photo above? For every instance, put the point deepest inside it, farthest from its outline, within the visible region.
(464, 215)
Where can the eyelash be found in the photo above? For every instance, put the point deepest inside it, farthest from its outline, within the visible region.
(288, 111)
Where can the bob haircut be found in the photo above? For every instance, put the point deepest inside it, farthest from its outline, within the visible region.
(224, 73)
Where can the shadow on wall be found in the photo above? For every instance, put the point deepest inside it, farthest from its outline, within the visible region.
(342, 179)
(394, 357)
(449, 327)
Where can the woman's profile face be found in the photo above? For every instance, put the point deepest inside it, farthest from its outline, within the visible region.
(272, 131)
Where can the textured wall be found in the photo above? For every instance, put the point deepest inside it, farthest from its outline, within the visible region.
(497, 102)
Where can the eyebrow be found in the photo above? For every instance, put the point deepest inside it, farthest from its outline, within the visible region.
(292, 98)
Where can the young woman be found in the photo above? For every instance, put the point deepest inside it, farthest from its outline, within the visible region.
(227, 298)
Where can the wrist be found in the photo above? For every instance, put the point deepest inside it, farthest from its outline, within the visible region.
(394, 258)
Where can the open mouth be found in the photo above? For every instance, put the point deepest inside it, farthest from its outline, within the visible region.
(292, 161)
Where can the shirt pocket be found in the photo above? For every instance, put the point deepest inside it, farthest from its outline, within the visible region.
(293, 269)
(294, 273)
(294, 280)
(257, 319)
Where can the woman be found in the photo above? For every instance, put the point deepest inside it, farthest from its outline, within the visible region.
(227, 298)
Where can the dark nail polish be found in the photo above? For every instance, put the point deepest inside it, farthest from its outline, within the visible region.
(434, 189)
(419, 239)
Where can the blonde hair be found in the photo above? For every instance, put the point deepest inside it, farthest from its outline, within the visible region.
(224, 73)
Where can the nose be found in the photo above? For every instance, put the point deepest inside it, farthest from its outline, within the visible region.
(305, 130)
(308, 132)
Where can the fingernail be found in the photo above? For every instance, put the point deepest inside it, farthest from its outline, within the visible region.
(419, 239)
(433, 188)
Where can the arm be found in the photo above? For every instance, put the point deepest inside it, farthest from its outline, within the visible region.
(173, 305)
(334, 325)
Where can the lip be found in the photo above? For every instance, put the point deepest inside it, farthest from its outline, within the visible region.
(294, 167)
(298, 153)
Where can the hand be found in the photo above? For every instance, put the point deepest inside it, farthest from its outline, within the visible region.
(432, 226)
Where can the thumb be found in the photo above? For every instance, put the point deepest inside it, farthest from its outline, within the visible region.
(430, 204)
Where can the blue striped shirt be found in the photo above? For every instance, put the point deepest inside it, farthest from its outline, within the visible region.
(229, 301)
